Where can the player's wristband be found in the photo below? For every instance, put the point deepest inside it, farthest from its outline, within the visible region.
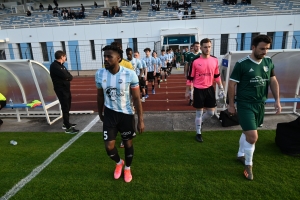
(221, 87)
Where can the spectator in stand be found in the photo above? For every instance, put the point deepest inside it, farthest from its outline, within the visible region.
(173, 3)
(179, 14)
(72, 14)
(185, 5)
(110, 13)
(49, 7)
(157, 2)
(126, 2)
(28, 13)
(134, 7)
(176, 5)
(41, 7)
(82, 8)
(154, 6)
(133, 2)
(243, 2)
(119, 12)
(138, 6)
(55, 13)
(105, 13)
(169, 4)
(65, 15)
(113, 11)
(95, 4)
(81, 14)
(193, 14)
(55, 3)
(189, 3)
(180, 3)
(185, 14)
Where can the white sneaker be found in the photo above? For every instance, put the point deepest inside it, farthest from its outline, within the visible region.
(165, 80)
(143, 99)
(159, 86)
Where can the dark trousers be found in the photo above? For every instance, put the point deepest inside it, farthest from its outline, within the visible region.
(65, 98)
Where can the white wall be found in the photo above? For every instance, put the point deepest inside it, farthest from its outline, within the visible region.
(147, 32)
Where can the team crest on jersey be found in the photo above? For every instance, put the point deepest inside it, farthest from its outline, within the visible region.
(120, 81)
(104, 80)
(112, 93)
(266, 68)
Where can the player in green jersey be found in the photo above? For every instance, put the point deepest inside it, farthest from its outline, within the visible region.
(195, 51)
(251, 78)
(177, 58)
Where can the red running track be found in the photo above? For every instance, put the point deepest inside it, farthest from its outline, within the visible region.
(169, 97)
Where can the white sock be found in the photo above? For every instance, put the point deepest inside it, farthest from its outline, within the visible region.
(127, 167)
(207, 115)
(249, 150)
(241, 147)
(120, 162)
(198, 121)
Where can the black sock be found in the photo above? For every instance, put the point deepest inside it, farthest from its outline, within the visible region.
(153, 87)
(165, 76)
(113, 154)
(146, 89)
(158, 81)
(128, 155)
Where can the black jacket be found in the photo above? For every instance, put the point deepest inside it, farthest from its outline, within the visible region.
(60, 76)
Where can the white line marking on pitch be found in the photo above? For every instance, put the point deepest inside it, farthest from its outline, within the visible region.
(37, 170)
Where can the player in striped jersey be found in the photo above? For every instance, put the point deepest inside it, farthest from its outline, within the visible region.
(125, 63)
(151, 69)
(158, 67)
(164, 59)
(117, 87)
(143, 76)
(204, 70)
(169, 61)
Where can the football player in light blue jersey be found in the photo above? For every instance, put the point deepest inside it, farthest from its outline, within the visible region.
(117, 88)
(169, 62)
(158, 67)
(151, 68)
(143, 76)
(137, 65)
(164, 60)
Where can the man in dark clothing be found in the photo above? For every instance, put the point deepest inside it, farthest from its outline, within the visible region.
(61, 78)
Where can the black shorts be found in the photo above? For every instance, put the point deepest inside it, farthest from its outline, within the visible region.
(164, 69)
(169, 65)
(142, 82)
(157, 75)
(115, 122)
(150, 76)
(204, 98)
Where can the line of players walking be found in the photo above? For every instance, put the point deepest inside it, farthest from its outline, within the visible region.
(153, 68)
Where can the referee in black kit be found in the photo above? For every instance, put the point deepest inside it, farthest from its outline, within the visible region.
(61, 78)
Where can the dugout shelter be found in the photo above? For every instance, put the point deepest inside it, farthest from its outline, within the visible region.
(287, 72)
(23, 81)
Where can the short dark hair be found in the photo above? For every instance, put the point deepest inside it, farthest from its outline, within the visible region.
(196, 43)
(137, 52)
(147, 49)
(118, 44)
(58, 54)
(261, 38)
(205, 40)
(128, 49)
(114, 48)
(162, 50)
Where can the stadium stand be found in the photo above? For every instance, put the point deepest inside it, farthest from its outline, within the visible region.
(207, 9)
